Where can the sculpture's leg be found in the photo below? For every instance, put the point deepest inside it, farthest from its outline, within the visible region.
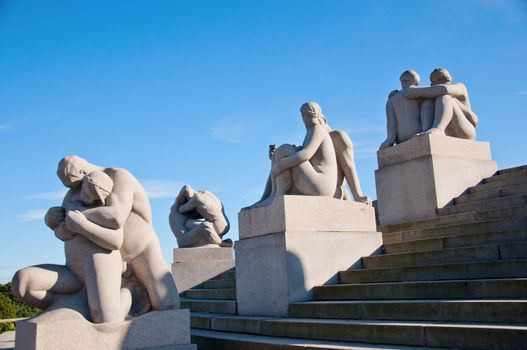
(443, 114)
(193, 236)
(151, 271)
(102, 274)
(283, 182)
(427, 114)
(460, 125)
(38, 285)
(346, 160)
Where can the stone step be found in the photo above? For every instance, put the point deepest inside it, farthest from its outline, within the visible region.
(436, 334)
(516, 169)
(462, 218)
(511, 288)
(444, 242)
(470, 270)
(219, 283)
(509, 311)
(214, 340)
(226, 293)
(451, 255)
(498, 183)
(484, 205)
(502, 224)
(231, 274)
(209, 305)
(505, 191)
(507, 173)
(226, 322)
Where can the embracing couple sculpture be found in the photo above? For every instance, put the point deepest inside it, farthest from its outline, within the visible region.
(114, 265)
(442, 108)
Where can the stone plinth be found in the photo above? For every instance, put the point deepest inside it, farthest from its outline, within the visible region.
(193, 266)
(65, 329)
(306, 213)
(281, 267)
(425, 173)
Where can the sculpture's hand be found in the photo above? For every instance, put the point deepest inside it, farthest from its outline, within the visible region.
(54, 217)
(74, 220)
(410, 93)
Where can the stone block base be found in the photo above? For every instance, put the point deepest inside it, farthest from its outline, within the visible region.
(65, 329)
(425, 173)
(193, 266)
(306, 213)
(275, 269)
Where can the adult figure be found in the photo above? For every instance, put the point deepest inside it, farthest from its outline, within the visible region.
(127, 209)
(94, 264)
(198, 219)
(310, 169)
(347, 171)
(446, 107)
(403, 116)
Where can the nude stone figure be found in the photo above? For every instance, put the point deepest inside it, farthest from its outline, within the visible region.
(403, 115)
(126, 210)
(87, 262)
(310, 169)
(347, 171)
(198, 219)
(446, 106)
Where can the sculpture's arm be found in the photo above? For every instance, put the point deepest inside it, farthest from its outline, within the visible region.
(104, 237)
(119, 203)
(391, 126)
(454, 90)
(62, 232)
(312, 142)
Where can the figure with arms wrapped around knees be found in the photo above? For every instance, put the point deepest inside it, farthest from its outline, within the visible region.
(313, 169)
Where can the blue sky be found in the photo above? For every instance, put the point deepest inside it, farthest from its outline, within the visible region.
(194, 92)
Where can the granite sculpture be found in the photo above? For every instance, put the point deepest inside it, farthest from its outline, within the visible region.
(106, 225)
(198, 219)
(442, 108)
(446, 106)
(319, 167)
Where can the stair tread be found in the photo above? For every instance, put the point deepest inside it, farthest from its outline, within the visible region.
(301, 343)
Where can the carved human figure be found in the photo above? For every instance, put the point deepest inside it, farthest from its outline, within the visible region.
(310, 169)
(126, 210)
(446, 106)
(403, 115)
(347, 171)
(198, 219)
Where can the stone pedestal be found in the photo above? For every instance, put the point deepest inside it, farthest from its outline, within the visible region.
(193, 266)
(65, 329)
(295, 244)
(425, 173)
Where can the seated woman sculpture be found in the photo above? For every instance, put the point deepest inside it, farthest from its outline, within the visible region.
(93, 262)
(310, 169)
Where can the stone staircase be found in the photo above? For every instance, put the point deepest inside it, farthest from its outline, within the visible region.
(458, 280)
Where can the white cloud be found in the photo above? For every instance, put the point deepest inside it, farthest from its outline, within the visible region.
(31, 215)
(55, 195)
(3, 126)
(159, 188)
(231, 130)
(521, 93)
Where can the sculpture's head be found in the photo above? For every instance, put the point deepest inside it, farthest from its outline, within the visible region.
(440, 76)
(96, 187)
(409, 78)
(72, 170)
(312, 114)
